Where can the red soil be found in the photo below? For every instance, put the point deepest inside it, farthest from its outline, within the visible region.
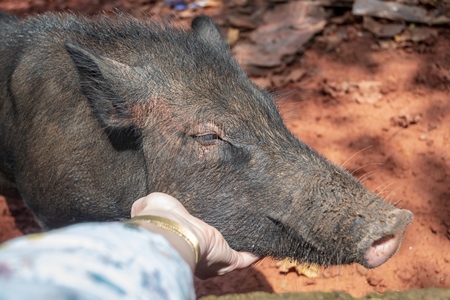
(395, 139)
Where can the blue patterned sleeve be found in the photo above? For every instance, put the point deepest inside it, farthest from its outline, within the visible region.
(93, 261)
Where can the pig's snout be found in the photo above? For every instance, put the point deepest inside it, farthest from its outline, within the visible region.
(385, 239)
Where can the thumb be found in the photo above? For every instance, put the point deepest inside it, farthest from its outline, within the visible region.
(138, 206)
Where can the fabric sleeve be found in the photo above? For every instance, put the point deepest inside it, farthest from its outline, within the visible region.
(93, 261)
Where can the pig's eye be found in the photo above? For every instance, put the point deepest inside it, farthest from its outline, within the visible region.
(207, 139)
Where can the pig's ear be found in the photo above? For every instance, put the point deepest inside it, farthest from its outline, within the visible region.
(204, 27)
(101, 79)
(98, 76)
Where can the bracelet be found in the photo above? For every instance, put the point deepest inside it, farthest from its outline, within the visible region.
(173, 227)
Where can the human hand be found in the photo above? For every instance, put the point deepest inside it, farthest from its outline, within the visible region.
(216, 257)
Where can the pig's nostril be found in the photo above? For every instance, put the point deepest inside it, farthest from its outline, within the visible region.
(382, 240)
(381, 250)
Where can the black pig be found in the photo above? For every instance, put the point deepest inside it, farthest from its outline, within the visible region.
(97, 113)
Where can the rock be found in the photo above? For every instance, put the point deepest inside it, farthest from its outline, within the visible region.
(381, 30)
(286, 28)
(241, 21)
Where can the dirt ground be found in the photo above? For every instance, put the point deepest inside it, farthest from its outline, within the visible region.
(378, 107)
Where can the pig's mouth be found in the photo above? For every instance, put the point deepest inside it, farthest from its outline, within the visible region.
(296, 247)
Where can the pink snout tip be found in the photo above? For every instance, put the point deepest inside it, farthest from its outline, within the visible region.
(381, 250)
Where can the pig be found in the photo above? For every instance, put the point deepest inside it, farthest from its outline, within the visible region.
(98, 112)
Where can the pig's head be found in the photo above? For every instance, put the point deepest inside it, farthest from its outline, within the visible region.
(216, 141)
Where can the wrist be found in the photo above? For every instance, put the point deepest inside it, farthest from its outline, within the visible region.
(196, 226)
(179, 236)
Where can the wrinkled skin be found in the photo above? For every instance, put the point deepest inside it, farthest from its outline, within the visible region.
(113, 109)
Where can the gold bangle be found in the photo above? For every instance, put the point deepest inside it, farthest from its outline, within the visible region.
(171, 226)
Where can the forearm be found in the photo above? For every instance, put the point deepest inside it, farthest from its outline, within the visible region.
(108, 261)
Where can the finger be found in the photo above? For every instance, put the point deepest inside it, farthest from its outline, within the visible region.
(240, 260)
(244, 259)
